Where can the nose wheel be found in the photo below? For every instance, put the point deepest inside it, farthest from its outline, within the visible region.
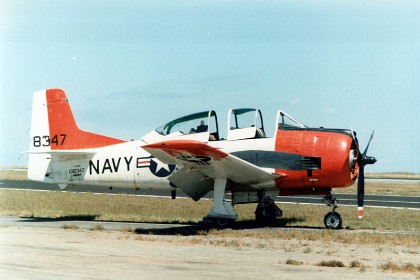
(332, 220)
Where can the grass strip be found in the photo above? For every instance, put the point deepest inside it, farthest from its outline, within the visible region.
(152, 209)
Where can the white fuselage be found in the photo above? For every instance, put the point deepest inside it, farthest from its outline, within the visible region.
(127, 165)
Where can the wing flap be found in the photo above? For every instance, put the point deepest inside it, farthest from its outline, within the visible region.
(192, 182)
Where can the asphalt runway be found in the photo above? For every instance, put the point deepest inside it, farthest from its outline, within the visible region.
(388, 201)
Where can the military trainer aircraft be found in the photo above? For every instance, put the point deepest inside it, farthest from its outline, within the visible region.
(189, 154)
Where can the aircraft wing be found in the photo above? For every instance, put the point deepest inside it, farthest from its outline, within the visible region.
(210, 162)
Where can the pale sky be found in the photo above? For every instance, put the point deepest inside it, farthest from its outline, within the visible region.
(130, 66)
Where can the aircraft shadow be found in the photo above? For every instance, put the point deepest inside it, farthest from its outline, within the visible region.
(60, 219)
(176, 227)
(199, 229)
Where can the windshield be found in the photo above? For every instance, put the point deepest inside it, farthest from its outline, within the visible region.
(285, 121)
(194, 123)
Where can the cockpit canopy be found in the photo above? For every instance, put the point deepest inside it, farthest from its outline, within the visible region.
(199, 126)
(245, 123)
(284, 122)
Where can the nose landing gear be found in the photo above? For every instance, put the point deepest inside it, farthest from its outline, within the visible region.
(332, 220)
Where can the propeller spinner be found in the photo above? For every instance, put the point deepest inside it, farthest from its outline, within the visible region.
(362, 160)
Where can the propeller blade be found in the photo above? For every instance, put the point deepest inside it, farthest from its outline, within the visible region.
(362, 160)
(360, 191)
(367, 147)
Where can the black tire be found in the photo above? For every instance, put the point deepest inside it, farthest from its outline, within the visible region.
(265, 216)
(222, 222)
(333, 220)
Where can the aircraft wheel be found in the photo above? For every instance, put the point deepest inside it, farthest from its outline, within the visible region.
(265, 216)
(222, 222)
(333, 220)
(216, 222)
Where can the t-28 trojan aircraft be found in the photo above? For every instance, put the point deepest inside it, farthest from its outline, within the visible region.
(189, 154)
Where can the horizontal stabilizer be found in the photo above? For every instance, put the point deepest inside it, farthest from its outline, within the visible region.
(65, 152)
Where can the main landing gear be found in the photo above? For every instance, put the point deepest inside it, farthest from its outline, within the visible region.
(333, 219)
(267, 211)
(222, 213)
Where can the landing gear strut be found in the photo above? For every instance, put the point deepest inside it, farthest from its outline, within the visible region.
(333, 219)
(222, 213)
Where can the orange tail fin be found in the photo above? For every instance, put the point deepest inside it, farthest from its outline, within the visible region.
(58, 127)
